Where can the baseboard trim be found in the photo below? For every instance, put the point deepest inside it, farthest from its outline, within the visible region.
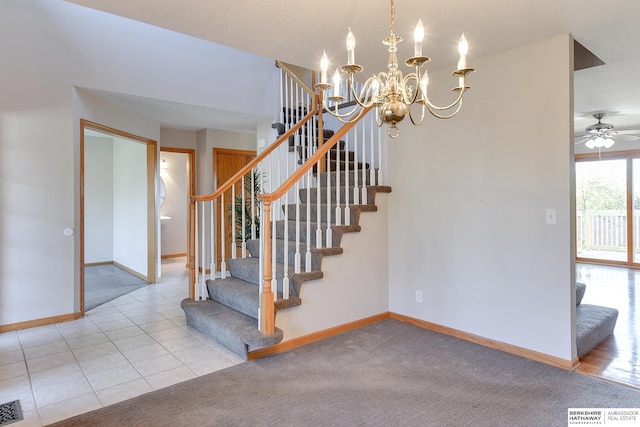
(40, 322)
(173, 256)
(95, 264)
(130, 271)
(315, 336)
(486, 342)
(120, 266)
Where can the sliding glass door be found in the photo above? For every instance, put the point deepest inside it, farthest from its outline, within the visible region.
(635, 201)
(601, 209)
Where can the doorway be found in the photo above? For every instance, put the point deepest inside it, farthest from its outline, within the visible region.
(177, 175)
(608, 208)
(117, 202)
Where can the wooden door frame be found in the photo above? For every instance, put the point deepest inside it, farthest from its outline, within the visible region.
(191, 191)
(152, 172)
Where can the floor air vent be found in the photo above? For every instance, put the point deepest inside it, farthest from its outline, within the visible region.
(10, 412)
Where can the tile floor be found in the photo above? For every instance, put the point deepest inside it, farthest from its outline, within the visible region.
(132, 345)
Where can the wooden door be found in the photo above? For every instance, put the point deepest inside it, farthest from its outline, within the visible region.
(226, 163)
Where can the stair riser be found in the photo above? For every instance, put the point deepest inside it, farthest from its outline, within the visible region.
(352, 177)
(248, 270)
(316, 258)
(334, 165)
(280, 227)
(246, 303)
(345, 194)
(341, 155)
(321, 214)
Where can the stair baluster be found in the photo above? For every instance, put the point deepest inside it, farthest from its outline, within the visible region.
(356, 177)
(307, 267)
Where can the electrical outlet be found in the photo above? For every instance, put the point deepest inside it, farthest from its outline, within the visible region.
(418, 296)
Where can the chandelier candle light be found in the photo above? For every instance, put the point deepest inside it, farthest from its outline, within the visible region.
(391, 93)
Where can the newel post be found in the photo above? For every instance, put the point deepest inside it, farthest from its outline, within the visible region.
(192, 249)
(267, 312)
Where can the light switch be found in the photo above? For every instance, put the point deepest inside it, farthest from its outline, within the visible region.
(550, 216)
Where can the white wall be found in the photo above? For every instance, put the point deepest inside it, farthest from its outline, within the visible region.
(467, 216)
(130, 238)
(115, 215)
(178, 138)
(50, 47)
(98, 199)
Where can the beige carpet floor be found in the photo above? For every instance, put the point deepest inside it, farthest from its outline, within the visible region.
(386, 374)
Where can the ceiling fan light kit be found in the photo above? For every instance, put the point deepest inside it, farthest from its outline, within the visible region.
(599, 142)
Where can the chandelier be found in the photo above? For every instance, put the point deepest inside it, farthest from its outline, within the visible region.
(390, 92)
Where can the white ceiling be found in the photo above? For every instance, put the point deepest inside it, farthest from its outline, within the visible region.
(297, 31)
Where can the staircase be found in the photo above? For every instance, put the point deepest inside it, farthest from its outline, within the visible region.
(230, 315)
(306, 225)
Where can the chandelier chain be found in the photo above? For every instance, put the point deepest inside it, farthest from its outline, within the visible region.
(393, 19)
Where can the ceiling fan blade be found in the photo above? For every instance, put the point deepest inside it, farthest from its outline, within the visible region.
(628, 138)
(629, 132)
(583, 139)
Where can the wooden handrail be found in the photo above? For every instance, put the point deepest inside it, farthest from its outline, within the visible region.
(295, 177)
(295, 77)
(253, 163)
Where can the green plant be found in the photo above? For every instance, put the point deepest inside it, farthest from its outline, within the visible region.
(252, 188)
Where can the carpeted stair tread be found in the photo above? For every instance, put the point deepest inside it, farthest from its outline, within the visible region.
(316, 253)
(315, 215)
(342, 155)
(353, 177)
(333, 165)
(248, 270)
(594, 324)
(381, 188)
(229, 327)
(337, 231)
(292, 301)
(345, 194)
(245, 297)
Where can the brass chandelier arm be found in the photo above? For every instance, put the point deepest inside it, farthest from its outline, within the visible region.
(366, 97)
(347, 117)
(419, 122)
(446, 116)
(433, 107)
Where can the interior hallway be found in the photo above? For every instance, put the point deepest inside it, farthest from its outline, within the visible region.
(132, 345)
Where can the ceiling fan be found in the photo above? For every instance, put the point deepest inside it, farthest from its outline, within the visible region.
(601, 135)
